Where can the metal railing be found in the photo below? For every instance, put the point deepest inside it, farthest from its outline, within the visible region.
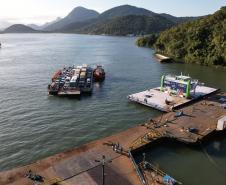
(139, 172)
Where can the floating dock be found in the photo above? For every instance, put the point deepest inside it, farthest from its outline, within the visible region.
(156, 99)
(175, 91)
(79, 166)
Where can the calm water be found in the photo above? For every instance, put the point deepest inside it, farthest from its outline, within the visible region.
(34, 125)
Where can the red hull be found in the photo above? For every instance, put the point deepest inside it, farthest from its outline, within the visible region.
(56, 75)
(99, 74)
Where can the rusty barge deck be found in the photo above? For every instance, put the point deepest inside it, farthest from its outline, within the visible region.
(78, 165)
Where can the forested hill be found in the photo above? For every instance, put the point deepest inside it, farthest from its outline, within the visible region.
(121, 20)
(200, 41)
(125, 20)
(131, 24)
(20, 28)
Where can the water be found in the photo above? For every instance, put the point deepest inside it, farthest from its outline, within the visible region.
(192, 165)
(34, 125)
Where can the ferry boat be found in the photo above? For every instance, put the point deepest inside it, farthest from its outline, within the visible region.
(99, 73)
(175, 91)
(72, 81)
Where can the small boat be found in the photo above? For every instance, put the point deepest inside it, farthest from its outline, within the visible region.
(163, 59)
(99, 73)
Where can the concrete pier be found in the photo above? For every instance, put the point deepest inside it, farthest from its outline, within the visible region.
(78, 166)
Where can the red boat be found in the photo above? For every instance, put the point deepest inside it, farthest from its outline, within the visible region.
(56, 75)
(98, 73)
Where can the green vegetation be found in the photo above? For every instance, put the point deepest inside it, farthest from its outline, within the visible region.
(122, 20)
(201, 41)
(147, 41)
(131, 24)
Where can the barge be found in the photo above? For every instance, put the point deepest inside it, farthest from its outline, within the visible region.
(72, 81)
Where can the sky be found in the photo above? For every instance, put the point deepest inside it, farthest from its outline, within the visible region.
(42, 11)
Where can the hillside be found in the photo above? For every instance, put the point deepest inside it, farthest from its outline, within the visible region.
(125, 10)
(121, 20)
(118, 21)
(19, 28)
(42, 27)
(202, 41)
(78, 14)
(177, 20)
(131, 24)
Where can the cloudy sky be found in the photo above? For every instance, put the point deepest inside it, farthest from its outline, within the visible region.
(41, 11)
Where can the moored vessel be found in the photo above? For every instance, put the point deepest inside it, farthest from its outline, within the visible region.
(163, 59)
(175, 91)
(99, 73)
(72, 81)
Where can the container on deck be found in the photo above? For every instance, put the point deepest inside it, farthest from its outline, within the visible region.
(83, 69)
(72, 81)
(82, 74)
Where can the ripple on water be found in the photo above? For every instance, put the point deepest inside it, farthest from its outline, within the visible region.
(34, 125)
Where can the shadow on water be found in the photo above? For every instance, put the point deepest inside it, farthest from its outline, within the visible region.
(182, 160)
(135, 105)
(32, 123)
(77, 97)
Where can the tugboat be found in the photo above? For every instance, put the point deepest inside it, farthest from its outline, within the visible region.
(99, 74)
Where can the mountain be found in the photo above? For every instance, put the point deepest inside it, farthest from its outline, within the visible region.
(125, 10)
(130, 24)
(178, 20)
(119, 21)
(34, 26)
(19, 28)
(201, 41)
(78, 14)
(41, 27)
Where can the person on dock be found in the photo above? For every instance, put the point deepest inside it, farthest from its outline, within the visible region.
(118, 148)
(37, 179)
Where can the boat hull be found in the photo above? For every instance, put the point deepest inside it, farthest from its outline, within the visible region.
(99, 78)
